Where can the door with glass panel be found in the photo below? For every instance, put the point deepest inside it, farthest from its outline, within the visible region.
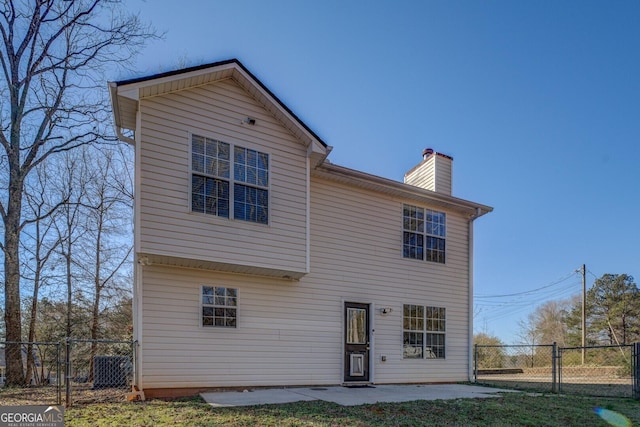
(356, 342)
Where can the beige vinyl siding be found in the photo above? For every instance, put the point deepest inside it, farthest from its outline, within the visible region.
(423, 175)
(169, 228)
(443, 175)
(290, 333)
(358, 236)
(434, 174)
(282, 337)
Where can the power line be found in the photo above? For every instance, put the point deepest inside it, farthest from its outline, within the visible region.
(497, 310)
(495, 307)
(529, 291)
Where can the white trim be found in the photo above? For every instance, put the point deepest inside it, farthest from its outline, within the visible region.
(470, 296)
(372, 338)
(308, 219)
(137, 186)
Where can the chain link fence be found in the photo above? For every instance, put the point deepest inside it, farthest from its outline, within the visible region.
(98, 370)
(595, 371)
(72, 372)
(524, 367)
(42, 371)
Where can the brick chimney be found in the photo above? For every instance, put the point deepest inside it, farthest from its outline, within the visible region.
(432, 173)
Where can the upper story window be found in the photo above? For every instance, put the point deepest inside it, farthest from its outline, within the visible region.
(214, 186)
(424, 233)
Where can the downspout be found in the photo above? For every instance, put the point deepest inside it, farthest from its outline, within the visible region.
(139, 263)
(470, 249)
(123, 137)
(113, 92)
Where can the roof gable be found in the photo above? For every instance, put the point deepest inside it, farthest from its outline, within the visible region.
(126, 94)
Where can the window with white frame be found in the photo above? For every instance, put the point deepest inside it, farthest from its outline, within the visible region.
(221, 173)
(424, 330)
(424, 233)
(219, 306)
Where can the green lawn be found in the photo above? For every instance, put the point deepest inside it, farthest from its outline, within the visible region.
(512, 409)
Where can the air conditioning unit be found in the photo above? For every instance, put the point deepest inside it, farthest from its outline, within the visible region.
(111, 371)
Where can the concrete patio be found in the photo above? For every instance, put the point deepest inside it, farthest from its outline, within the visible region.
(348, 396)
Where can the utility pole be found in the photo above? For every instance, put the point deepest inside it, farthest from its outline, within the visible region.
(584, 310)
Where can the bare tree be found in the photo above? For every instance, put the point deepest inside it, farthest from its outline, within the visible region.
(53, 100)
(530, 336)
(39, 247)
(545, 325)
(106, 239)
(72, 182)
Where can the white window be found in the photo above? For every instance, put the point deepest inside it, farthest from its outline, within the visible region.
(219, 306)
(424, 233)
(423, 332)
(222, 173)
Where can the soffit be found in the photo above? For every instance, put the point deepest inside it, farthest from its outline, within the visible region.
(171, 261)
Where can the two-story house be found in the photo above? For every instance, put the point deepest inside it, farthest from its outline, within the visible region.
(260, 263)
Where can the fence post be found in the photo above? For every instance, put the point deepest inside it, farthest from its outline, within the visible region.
(58, 375)
(475, 363)
(635, 370)
(67, 370)
(559, 370)
(134, 376)
(554, 367)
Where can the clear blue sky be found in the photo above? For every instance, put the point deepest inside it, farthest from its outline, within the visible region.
(538, 102)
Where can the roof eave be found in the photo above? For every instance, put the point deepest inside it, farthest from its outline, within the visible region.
(399, 189)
